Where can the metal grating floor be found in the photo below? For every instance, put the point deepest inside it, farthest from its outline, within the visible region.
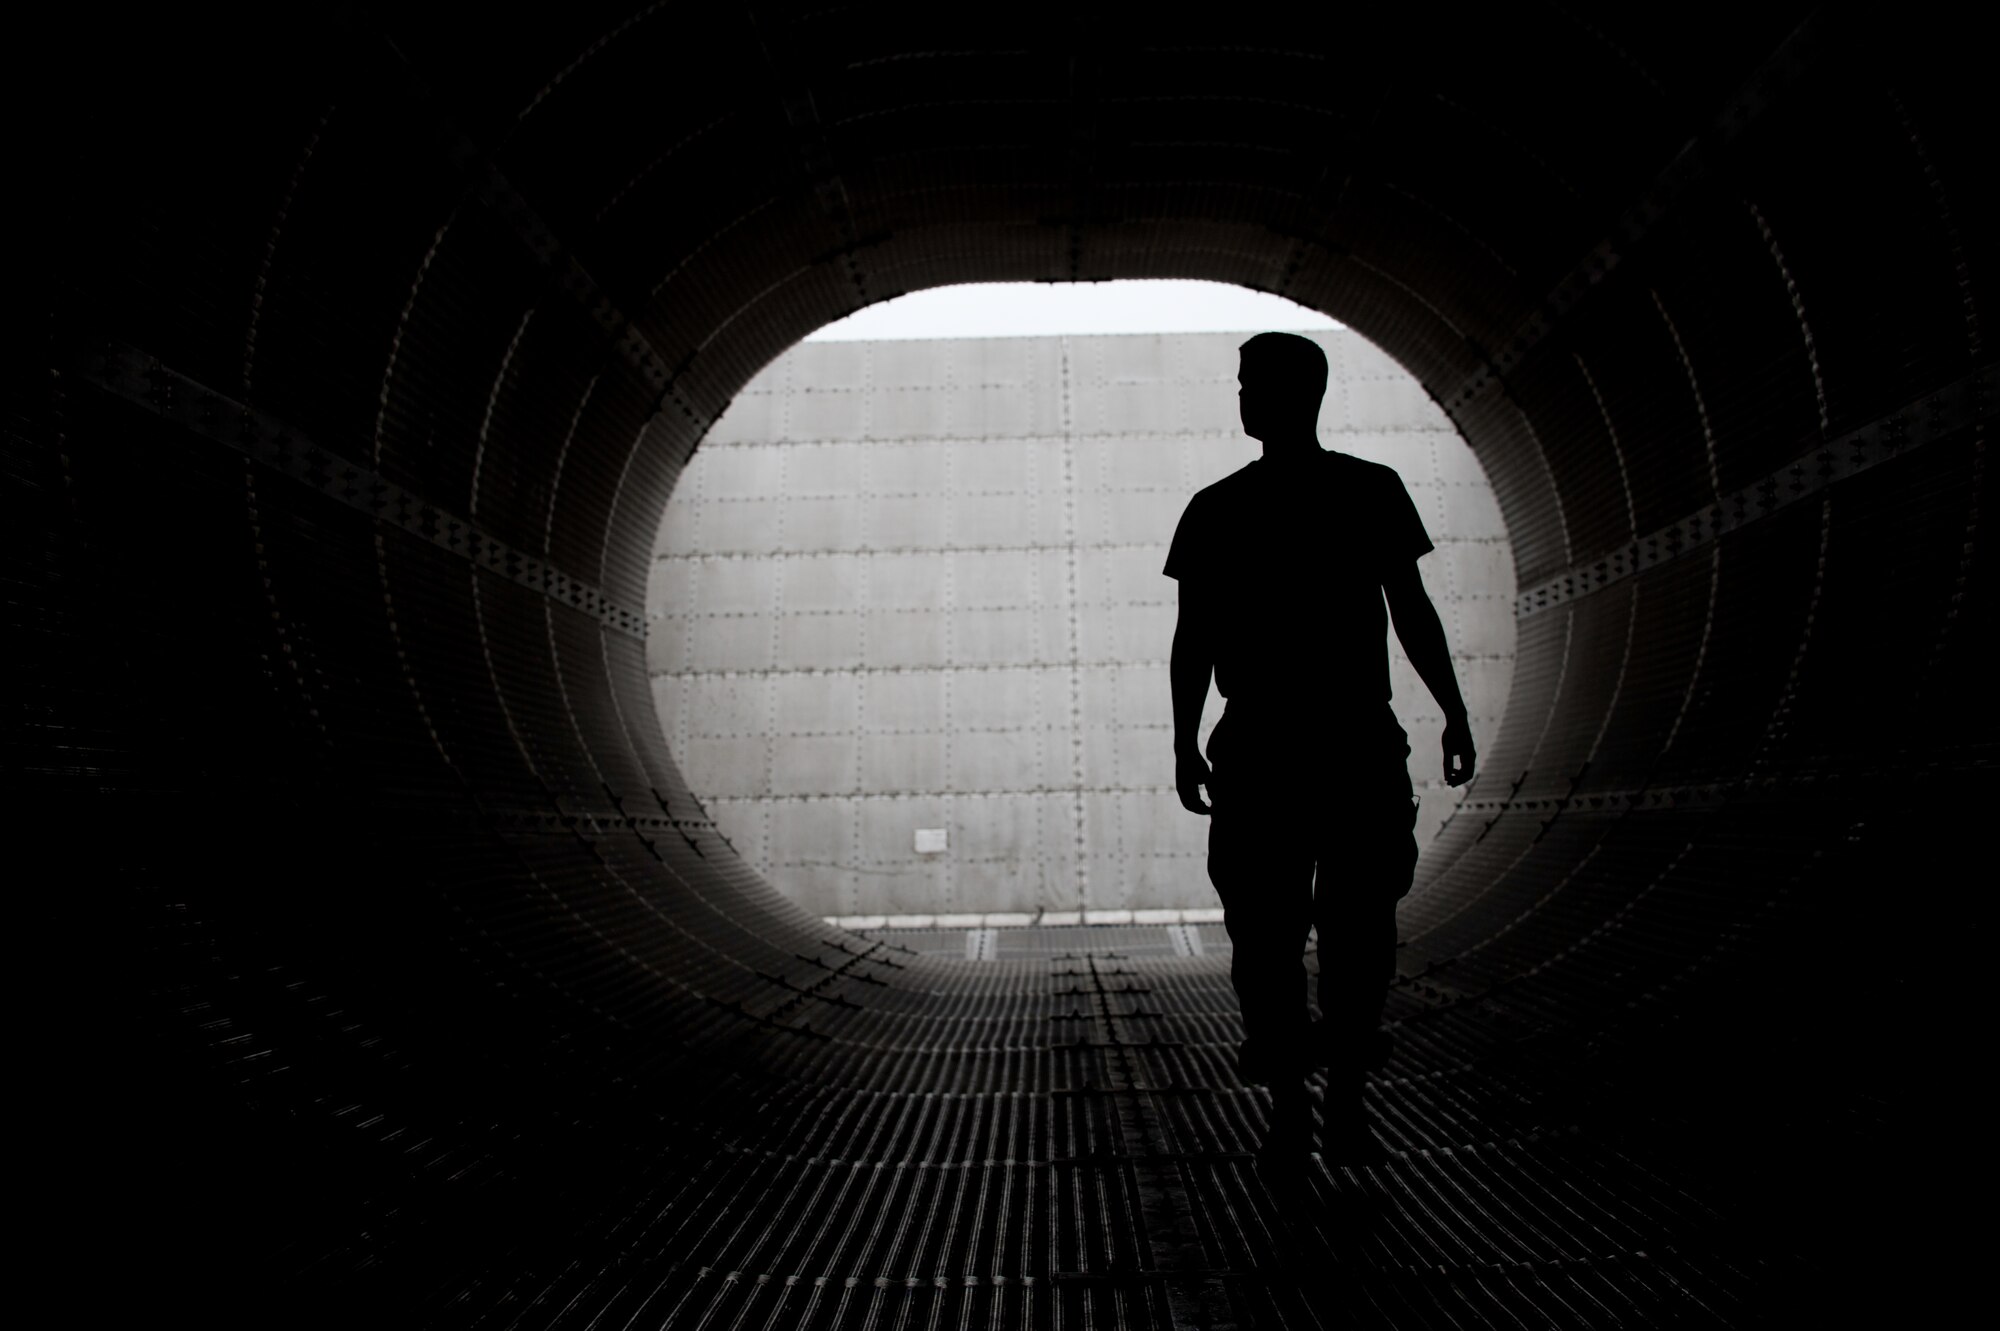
(1074, 1149)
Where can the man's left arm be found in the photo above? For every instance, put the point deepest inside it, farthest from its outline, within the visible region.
(1189, 670)
(1422, 636)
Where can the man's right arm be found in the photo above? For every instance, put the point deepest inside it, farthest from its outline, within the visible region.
(1190, 667)
(1422, 636)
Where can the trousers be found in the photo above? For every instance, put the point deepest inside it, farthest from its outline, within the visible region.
(1311, 827)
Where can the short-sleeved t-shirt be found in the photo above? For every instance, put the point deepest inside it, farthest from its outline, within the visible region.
(1293, 554)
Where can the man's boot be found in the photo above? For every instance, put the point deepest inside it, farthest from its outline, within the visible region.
(1288, 1137)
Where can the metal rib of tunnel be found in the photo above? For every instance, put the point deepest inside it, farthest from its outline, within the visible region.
(413, 986)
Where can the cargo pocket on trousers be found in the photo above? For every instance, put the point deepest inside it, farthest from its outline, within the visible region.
(1409, 863)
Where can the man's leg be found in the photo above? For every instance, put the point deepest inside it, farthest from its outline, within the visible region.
(1363, 873)
(1264, 877)
(1357, 960)
(1266, 889)
(1367, 855)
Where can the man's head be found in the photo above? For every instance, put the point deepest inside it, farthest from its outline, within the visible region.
(1283, 378)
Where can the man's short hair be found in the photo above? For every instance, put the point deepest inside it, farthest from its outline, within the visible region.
(1294, 361)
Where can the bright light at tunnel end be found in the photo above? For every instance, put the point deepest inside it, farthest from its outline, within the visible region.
(1044, 309)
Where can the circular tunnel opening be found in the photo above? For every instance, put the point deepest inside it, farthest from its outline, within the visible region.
(911, 589)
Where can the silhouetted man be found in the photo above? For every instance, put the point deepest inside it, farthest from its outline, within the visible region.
(1283, 568)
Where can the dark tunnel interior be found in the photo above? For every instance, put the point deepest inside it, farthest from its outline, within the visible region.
(393, 974)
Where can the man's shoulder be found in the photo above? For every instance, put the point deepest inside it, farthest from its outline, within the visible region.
(1385, 512)
(1368, 473)
(1235, 483)
(1219, 498)
(1208, 524)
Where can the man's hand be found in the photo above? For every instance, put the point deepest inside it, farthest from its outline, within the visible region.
(1190, 775)
(1458, 754)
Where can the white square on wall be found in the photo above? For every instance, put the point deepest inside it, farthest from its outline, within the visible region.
(930, 841)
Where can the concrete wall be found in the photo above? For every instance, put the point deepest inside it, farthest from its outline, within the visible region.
(916, 585)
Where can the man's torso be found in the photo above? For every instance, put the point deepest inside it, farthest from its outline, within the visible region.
(1290, 557)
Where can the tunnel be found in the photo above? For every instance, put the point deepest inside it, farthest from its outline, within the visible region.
(387, 972)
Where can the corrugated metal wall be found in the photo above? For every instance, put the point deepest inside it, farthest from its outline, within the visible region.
(911, 584)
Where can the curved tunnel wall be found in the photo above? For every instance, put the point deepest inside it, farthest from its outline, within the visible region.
(363, 359)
